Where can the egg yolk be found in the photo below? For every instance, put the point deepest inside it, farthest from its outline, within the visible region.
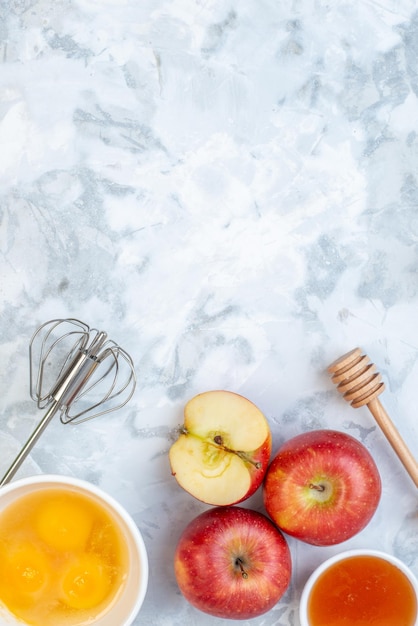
(64, 524)
(85, 582)
(27, 569)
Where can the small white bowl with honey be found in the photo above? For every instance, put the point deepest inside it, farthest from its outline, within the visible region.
(69, 554)
(360, 588)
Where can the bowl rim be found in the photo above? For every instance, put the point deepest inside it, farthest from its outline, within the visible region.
(113, 504)
(346, 554)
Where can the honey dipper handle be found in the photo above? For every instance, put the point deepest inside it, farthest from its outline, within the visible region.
(394, 438)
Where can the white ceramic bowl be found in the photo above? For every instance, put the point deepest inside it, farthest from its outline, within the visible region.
(127, 605)
(304, 601)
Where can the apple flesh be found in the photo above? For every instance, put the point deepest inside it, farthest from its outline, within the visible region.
(223, 449)
(232, 563)
(322, 487)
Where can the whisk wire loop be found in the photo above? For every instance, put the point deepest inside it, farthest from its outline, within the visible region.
(41, 348)
(117, 386)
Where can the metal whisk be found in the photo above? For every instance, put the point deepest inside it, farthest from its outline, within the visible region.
(68, 362)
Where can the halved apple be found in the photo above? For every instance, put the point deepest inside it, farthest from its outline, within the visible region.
(223, 449)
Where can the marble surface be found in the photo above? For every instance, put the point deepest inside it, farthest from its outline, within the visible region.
(230, 190)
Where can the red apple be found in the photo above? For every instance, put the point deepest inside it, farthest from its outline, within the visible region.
(232, 563)
(223, 449)
(322, 487)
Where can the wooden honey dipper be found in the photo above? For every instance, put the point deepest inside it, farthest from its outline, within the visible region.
(359, 383)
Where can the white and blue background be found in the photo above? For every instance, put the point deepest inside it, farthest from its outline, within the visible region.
(230, 190)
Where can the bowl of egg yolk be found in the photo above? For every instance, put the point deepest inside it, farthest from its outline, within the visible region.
(69, 554)
(360, 588)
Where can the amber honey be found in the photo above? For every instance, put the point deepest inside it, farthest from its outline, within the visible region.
(362, 591)
(63, 558)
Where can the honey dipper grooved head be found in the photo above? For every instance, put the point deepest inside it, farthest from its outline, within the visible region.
(356, 378)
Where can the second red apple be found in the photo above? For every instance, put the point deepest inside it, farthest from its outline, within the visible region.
(322, 487)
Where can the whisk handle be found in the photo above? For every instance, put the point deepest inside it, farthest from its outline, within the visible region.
(30, 443)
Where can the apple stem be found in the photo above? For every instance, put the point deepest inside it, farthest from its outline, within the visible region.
(238, 562)
(242, 455)
(317, 487)
(247, 459)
